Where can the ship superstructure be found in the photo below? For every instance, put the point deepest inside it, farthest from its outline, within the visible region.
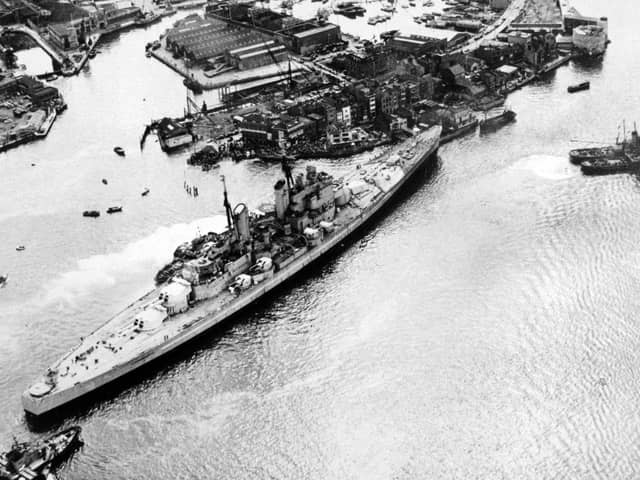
(216, 275)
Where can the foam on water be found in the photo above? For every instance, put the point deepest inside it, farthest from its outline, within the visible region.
(143, 256)
(547, 166)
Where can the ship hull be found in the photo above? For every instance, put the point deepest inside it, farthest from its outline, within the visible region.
(459, 132)
(38, 406)
(609, 168)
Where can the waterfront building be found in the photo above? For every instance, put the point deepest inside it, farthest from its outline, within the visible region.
(299, 36)
(63, 36)
(115, 16)
(405, 45)
(388, 99)
(590, 39)
(38, 92)
(494, 53)
(203, 41)
(572, 18)
(310, 39)
(366, 99)
(256, 55)
(368, 63)
(256, 129)
(172, 135)
(344, 137)
(287, 130)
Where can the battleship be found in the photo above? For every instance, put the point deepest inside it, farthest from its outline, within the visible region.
(219, 274)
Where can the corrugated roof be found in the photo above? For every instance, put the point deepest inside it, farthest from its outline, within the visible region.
(278, 49)
(239, 50)
(314, 31)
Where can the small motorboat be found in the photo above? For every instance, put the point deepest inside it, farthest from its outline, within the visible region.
(92, 54)
(104, 180)
(148, 54)
(578, 87)
(145, 192)
(35, 460)
(20, 248)
(114, 209)
(3, 282)
(119, 151)
(91, 213)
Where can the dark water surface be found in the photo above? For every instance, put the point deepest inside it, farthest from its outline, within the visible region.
(486, 327)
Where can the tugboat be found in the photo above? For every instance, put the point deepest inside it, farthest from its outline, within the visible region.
(578, 87)
(579, 155)
(606, 166)
(148, 19)
(114, 209)
(493, 123)
(451, 132)
(31, 461)
(119, 151)
(627, 159)
(91, 213)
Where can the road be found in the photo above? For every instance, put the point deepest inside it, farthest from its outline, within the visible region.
(508, 16)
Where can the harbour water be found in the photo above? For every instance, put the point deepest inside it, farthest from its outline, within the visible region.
(485, 327)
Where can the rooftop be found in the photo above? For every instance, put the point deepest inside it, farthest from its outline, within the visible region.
(313, 31)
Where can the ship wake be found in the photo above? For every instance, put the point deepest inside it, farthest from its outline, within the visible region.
(546, 166)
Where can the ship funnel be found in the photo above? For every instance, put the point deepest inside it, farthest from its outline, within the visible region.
(241, 221)
(311, 174)
(281, 194)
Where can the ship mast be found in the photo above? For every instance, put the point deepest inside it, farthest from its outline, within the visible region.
(227, 206)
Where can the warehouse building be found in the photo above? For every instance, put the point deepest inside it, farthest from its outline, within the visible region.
(416, 44)
(257, 55)
(198, 39)
(308, 40)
